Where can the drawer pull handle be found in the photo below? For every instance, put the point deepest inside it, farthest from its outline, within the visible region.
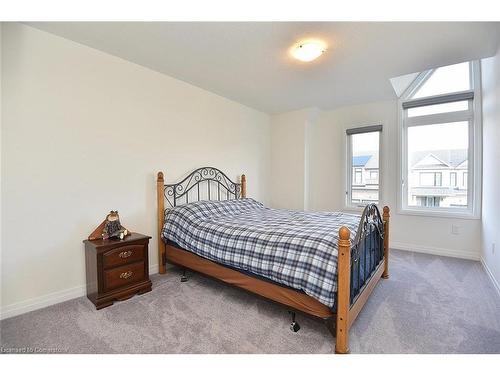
(126, 275)
(125, 254)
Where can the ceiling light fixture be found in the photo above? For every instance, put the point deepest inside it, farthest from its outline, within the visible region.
(308, 51)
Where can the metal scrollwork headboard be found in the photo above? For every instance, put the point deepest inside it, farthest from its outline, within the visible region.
(205, 183)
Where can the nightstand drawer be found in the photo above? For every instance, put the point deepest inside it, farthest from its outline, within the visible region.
(123, 255)
(124, 275)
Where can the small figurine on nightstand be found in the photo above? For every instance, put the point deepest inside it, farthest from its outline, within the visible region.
(110, 228)
(113, 228)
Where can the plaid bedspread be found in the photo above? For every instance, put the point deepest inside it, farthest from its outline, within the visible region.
(293, 248)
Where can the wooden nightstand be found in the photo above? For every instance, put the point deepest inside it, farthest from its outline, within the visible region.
(117, 269)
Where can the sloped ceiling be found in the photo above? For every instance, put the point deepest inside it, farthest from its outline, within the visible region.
(249, 62)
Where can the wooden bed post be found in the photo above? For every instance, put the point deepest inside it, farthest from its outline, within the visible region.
(343, 291)
(243, 186)
(161, 219)
(386, 217)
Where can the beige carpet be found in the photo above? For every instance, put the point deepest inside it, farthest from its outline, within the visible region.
(430, 304)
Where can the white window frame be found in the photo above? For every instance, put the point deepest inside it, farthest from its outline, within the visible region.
(348, 205)
(473, 117)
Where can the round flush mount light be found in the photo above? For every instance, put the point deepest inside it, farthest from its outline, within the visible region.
(308, 50)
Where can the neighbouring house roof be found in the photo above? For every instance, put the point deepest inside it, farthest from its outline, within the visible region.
(367, 161)
(437, 159)
(373, 162)
(361, 160)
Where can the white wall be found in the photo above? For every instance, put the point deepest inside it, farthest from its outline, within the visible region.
(84, 132)
(289, 158)
(326, 165)
(490, 69)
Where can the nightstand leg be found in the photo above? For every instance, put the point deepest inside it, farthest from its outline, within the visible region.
(145, 290)
(103, 305)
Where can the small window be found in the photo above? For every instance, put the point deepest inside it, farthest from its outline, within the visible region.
(363, 145)
(426, 179)
(439, 144)
(438, 179)
(451, 78)
(430, 178)
(428, 201)
(358, 176)
(453, 179)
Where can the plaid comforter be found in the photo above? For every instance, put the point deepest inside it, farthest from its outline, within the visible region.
(293, 248)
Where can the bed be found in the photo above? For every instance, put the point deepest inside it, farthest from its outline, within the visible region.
(323, 264)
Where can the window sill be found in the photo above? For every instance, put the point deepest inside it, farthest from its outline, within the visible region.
(440, 214)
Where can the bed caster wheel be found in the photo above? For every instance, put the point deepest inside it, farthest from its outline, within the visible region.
(184, 277)
(294, 327)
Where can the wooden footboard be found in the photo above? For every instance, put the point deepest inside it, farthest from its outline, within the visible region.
(349, 304)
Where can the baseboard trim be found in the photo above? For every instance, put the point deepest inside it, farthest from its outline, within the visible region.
(153, 268)
(496, 284)
(50, 299)
(37, 303)
(434, 251)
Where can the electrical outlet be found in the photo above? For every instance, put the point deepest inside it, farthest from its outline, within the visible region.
(493, 248)
(455, 229)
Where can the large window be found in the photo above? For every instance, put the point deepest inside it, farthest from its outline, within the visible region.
(363, 145)
(440, 141)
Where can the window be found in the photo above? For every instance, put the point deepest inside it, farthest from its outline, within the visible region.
(451, 78)
(453, 179)
(440, 141)
(358, 176)
(430, 178)
(363, 146)
(438, 179)
(428, 201)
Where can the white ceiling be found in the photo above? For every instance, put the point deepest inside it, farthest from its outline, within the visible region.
(249, 62)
